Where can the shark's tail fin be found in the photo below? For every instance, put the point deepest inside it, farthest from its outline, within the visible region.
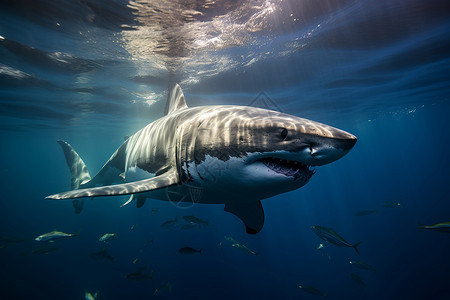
(78, 170)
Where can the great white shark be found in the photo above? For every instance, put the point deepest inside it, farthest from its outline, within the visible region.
(221, 154)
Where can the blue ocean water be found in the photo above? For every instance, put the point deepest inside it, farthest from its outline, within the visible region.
(92, 72)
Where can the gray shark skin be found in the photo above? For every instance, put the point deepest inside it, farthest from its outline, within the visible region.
(222, 154)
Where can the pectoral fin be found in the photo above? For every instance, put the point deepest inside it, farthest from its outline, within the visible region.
(164, 180)
(140, 200)
(128, 201)
(251, 213)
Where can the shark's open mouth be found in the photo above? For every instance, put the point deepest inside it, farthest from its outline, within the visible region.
(288, 167)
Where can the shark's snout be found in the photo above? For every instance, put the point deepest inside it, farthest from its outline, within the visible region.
(324, 150)
(337, 144)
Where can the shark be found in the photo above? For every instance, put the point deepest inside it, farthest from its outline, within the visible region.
(217, 154)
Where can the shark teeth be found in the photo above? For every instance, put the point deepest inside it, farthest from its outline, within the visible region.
(288, 167)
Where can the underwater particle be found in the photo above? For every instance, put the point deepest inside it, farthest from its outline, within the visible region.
(362, 265)
(363, 213)
(154, 210)
(139, 275)
(107, 237)
(170, 223)
(391, 204)
(89, 296)
(443, 227)
(321, 249)
(102, 255)
(55, 236)
(330, 236)
(311, 290)
(189, 251)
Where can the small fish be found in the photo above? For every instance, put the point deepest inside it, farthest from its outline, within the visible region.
(102, 255)
(89, 296)
(195, 220)
(135, 261)
(169, 223)
(319, 247)
(10, 239)
(443, 227)
(107, 237)
(54, 236)
(146, 244)
(45, 250)
(356, 278)
(362, 265)
(139, 275)
(189, 250)
(312, 290)
(190, 225)
(330, 236)
(243, 248)
(132, 227)
(162, 288)
(230, 239)
(365, 213)
(78, 205)
(391, 204)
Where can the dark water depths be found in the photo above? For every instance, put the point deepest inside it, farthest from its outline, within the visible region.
(92, 72)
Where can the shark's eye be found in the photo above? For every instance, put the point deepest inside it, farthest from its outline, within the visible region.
(284, 133)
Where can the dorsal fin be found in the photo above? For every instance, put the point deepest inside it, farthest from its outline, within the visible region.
(175, 100)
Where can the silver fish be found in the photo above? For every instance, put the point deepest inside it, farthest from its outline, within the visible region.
(107, 237)
(362, 265)
(195, 220)
(244, 248)
(90, 296)
(54, 236)
(189, 250)
(356, 278)
(443, 227)
(312, 290)
(139, 275)
(170, 223)
(330, 236)
(102, 255)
